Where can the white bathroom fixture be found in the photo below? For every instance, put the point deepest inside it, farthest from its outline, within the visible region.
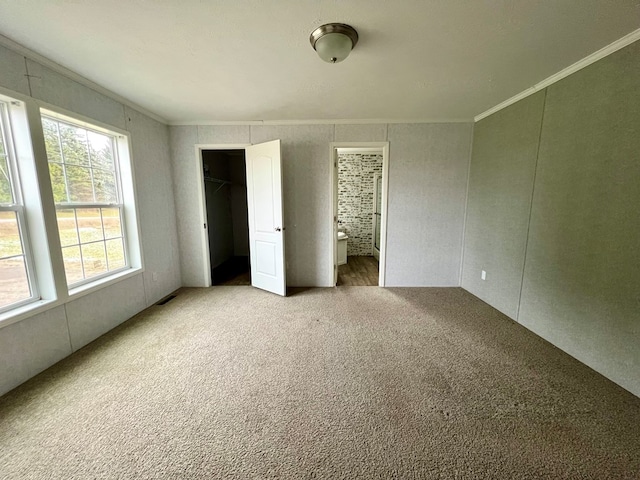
(342, 248)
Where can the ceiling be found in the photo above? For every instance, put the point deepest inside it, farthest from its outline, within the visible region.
(246, 60)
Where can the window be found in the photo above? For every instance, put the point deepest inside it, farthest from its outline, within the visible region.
(85, 178)
(76, 232)
(17, 282)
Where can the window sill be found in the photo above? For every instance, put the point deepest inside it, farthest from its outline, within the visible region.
(39, 306)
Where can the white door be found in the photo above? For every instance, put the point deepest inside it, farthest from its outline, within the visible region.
(266, 231)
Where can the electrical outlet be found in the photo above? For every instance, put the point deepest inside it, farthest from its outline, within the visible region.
(483, 275)
(154, 276)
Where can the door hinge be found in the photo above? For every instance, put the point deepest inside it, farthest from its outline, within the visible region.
(205, 226)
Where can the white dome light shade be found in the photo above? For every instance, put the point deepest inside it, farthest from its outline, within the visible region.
(334, 47)
(334, 41)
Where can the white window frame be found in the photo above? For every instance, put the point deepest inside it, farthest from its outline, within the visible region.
(17, 207)
(75, 206)
(126, 201)
(39, 220)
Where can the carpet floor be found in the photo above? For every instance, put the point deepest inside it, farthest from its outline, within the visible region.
(345, 383)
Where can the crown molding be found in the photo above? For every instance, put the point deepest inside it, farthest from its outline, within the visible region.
(579, 65)
(341, 121)
(56, 67)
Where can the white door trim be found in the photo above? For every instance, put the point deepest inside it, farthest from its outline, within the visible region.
(333, 157)
(204, 236)
(373, 217)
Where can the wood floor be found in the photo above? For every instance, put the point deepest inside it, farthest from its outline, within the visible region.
(358, 272)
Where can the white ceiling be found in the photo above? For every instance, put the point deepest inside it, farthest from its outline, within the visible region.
(246, 60)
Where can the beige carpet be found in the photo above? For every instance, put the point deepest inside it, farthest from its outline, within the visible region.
(354, 382)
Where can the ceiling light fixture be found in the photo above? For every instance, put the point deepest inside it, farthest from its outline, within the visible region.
(334, 41)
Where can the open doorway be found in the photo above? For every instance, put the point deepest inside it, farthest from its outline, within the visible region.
(251, 175)
(225, 188)
(359, 207)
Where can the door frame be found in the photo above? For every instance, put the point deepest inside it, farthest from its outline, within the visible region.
(204, 235)
(373, 219)
(333, 158)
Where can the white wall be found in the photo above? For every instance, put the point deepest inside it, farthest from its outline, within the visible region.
(156, 206)
(35, 343)
(428, 170)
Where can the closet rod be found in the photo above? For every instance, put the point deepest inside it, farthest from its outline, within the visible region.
(217, 180)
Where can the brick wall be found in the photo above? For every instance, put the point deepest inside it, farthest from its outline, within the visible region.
(355, 199)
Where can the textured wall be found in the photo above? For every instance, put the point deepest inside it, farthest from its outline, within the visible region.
(428, 170)
(31, 345)
(307, 206)
(13, 73)
(355, 199)
(56, 89)
(93, 315)
(156, 206)
(505, 149)
(428, 167)
(582, 263)
(581, 287)
(37, 342)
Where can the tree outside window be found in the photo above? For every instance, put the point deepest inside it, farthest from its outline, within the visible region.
(83, 166)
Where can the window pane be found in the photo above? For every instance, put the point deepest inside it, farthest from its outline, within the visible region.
(80, 186)
(101, 148)
(72, 264)
(57, 182)
(82, 166)
(10, 243)
(115, 254)
(89, 224)
(94, 259)
(74, 145)
(111, 222)
(67, 228)
(14, 275)
(14, 285)
(51, 140)
(105, 186)
(5, 180)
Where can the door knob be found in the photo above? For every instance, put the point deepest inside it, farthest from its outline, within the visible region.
(278, 229)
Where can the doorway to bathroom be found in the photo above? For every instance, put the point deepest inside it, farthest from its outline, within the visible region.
(359, 179)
